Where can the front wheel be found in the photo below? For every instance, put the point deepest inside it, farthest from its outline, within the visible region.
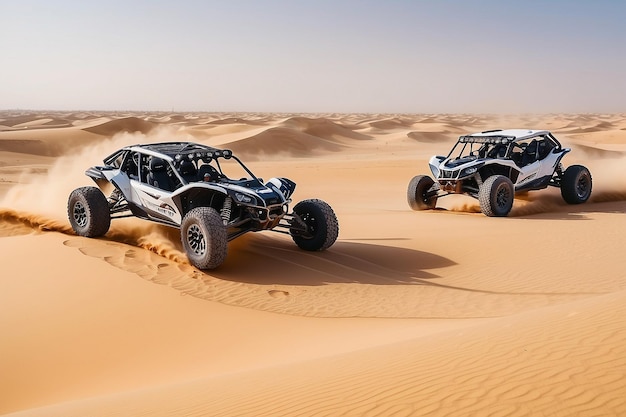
(88, 212)
(496, 196)
(321, 227)
(417, 194)
(204, 238)
(576, 184)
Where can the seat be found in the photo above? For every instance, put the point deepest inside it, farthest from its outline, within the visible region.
(208, 169)
(530, 153)
(498, 151)
(131, 168)
(158, 176)
(188, 171)
(543, 149)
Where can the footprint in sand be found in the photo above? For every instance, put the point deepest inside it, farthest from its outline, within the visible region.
(278, 293)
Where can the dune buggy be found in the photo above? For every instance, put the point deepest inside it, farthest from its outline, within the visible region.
(207, 193)
(494, 165)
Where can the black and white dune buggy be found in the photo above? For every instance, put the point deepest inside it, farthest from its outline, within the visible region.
(208, 193)
(494, 165)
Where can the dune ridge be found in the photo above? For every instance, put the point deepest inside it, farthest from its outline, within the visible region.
(444, 312)
(126, 124)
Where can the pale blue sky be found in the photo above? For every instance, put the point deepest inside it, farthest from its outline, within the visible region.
(314, 56)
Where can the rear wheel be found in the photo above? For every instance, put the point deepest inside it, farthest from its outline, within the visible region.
(417, 194)
(88, 212)
(321, 225)
(204, 238)
(576, 184)
(496, 196)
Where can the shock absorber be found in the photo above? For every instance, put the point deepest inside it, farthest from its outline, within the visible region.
(226, 209)
(114, 198)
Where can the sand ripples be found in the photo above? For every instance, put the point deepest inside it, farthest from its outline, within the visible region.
(526, 313)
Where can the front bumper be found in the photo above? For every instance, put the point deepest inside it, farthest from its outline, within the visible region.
(451, 186)
(268, 217)
(452, 180)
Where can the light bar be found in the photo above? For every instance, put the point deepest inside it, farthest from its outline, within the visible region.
(486, 139)
(211, 153)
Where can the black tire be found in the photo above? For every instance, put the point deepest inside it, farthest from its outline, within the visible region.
(576, 184)
(416, 193)
(496, 196)
(88, 212)
(321, 223)
(204, 238)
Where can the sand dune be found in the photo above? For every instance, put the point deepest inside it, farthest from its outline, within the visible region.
(323, 128)
(444, 312)
(282, 141)
(531, 371)
(126, 124)
(436, 137)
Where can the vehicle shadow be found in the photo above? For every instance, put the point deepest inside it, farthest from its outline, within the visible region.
(261, 259)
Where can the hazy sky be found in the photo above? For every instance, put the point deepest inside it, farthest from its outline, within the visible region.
(314, 56)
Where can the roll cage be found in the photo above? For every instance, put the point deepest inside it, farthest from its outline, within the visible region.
(183, 163)
(521, 150)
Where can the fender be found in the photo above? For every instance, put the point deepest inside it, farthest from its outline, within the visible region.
(97, 175)
(187, 192)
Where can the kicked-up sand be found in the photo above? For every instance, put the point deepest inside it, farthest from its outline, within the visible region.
(441, 313)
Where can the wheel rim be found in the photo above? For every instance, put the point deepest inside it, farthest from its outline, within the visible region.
(195, 240)
(80, 214)
(423, 193)
(502, 197)
(582, 186)
(311, 224)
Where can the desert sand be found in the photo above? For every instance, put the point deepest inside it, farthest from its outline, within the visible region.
(443, 313)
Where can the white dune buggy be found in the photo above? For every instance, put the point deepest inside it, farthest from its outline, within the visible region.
(494, 165)
(207, 193)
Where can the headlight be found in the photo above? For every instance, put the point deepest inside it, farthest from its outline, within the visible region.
(470, 170)
(243, 198)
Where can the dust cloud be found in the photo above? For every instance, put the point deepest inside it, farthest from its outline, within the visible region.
(609, 185)
(39, 202)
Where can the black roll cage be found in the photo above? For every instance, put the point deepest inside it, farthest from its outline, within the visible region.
(177, 152)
